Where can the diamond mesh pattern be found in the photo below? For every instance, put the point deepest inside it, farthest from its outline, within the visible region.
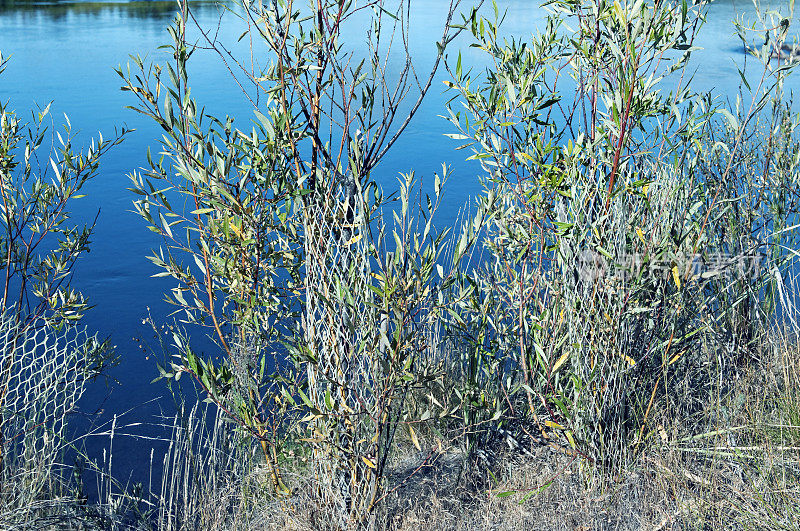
(42, 375)
(339, 327)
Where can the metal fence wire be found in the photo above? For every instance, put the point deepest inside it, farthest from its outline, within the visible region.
(42, 377)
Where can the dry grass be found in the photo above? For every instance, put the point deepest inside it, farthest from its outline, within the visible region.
(661, 492)
(736, 466)
(741, 472)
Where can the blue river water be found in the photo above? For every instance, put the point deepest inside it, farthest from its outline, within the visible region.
(65, 52)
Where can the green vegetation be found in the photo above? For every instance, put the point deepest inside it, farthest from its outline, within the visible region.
(46, 357)
(612, 329)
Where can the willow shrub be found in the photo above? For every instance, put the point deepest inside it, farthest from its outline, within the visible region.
(637, 230)
(619, 206)
(320, 309)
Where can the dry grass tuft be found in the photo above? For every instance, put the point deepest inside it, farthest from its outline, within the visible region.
(740, 473)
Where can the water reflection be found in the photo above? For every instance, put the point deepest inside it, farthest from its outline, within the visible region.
(152, 11)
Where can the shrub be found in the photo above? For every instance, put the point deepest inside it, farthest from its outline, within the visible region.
(638, 228)
(282, 255)
(634, 241)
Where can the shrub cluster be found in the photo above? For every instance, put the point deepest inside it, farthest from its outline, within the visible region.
(624, 265)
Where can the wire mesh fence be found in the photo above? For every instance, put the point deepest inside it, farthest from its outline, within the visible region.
(43, 373)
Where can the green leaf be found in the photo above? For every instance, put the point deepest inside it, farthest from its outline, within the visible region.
(732, 121)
